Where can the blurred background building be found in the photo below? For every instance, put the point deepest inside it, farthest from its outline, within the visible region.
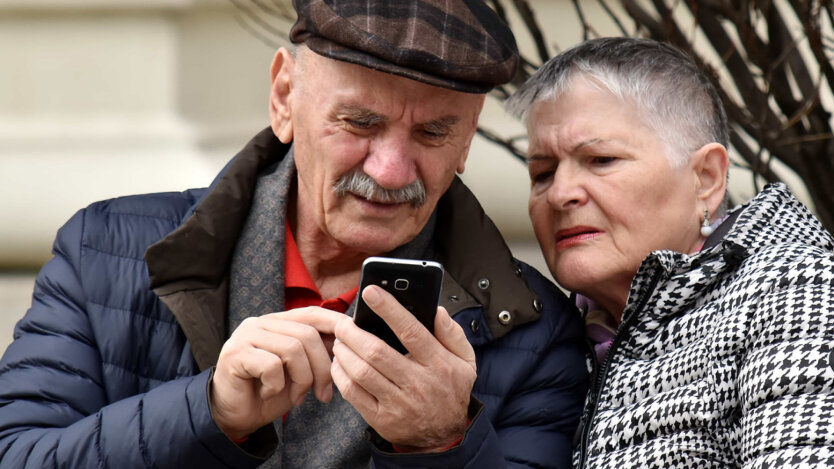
(102, 98)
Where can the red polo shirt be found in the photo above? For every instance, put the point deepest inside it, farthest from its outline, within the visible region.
(299, 288)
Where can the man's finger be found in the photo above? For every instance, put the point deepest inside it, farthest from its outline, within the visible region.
(323, 320)
(371, 349)
(265, 367)
(412, 334)
(451, 335)
(314, 348)
(362, 372)
(358, 397)
(293, 354)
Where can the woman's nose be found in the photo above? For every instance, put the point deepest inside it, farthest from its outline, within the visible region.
(567, 190)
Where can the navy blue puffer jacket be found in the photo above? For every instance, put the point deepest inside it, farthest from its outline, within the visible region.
(103, 373)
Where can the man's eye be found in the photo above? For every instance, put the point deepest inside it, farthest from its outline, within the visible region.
(359, 124)
(432, 135)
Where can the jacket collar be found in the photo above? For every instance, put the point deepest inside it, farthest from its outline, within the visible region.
(189, 268)
(196, 255)
(474, 253)
(772, 217)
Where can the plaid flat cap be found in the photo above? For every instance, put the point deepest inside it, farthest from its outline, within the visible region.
(457, 44)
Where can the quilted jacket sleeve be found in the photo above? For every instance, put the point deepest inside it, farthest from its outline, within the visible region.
(786, 379)
(532, 383)
(54, 407)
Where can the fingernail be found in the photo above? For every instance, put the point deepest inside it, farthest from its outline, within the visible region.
(299, 400)
(370, 295)
(324, 393)
(446, 320)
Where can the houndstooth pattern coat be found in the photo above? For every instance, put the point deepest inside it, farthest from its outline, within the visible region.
(724, 358)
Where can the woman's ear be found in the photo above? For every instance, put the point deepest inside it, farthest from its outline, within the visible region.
(281, 74)
(711, 164)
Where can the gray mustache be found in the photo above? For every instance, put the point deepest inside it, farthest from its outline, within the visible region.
(362, 185)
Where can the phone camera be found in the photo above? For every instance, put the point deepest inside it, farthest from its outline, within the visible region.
(401, 284)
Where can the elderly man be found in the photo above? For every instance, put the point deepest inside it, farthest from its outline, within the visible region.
(206, 328)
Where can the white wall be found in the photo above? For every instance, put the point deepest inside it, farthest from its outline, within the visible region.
(99, 99)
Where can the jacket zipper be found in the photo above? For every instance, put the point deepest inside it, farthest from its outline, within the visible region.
(589, 415)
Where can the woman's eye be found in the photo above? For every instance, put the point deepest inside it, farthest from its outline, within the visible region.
(540, 177)
(603, 160)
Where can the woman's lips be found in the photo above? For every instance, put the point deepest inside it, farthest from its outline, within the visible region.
(575, 235)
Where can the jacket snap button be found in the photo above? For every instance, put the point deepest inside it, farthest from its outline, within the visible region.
(537, 305)
(483, 283)
(474, 326)
(504, 317)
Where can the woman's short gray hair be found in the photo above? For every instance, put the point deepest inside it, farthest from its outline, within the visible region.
(674, 97)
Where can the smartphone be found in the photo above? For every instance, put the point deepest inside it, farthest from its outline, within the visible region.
(414, 283)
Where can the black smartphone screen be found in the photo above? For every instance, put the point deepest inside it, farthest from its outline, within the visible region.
(416, 286)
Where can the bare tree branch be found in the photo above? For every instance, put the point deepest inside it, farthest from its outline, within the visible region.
(533, 28)
(505, 143)
(613, 17)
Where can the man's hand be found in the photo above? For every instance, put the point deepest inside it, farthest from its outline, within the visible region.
(268, 365)
(419, 401)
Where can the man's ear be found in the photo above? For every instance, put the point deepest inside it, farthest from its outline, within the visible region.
(462, 163)
(711, 164)
(281, 74)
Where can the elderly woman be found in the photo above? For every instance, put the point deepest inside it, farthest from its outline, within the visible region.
(713, 330)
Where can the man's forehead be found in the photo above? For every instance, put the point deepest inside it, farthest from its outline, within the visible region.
(368, 113)
(370, 80)
(353, 89)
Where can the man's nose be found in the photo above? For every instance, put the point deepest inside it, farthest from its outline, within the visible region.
(391, 161)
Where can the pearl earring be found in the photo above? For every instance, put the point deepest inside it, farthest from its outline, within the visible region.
(706, 230)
